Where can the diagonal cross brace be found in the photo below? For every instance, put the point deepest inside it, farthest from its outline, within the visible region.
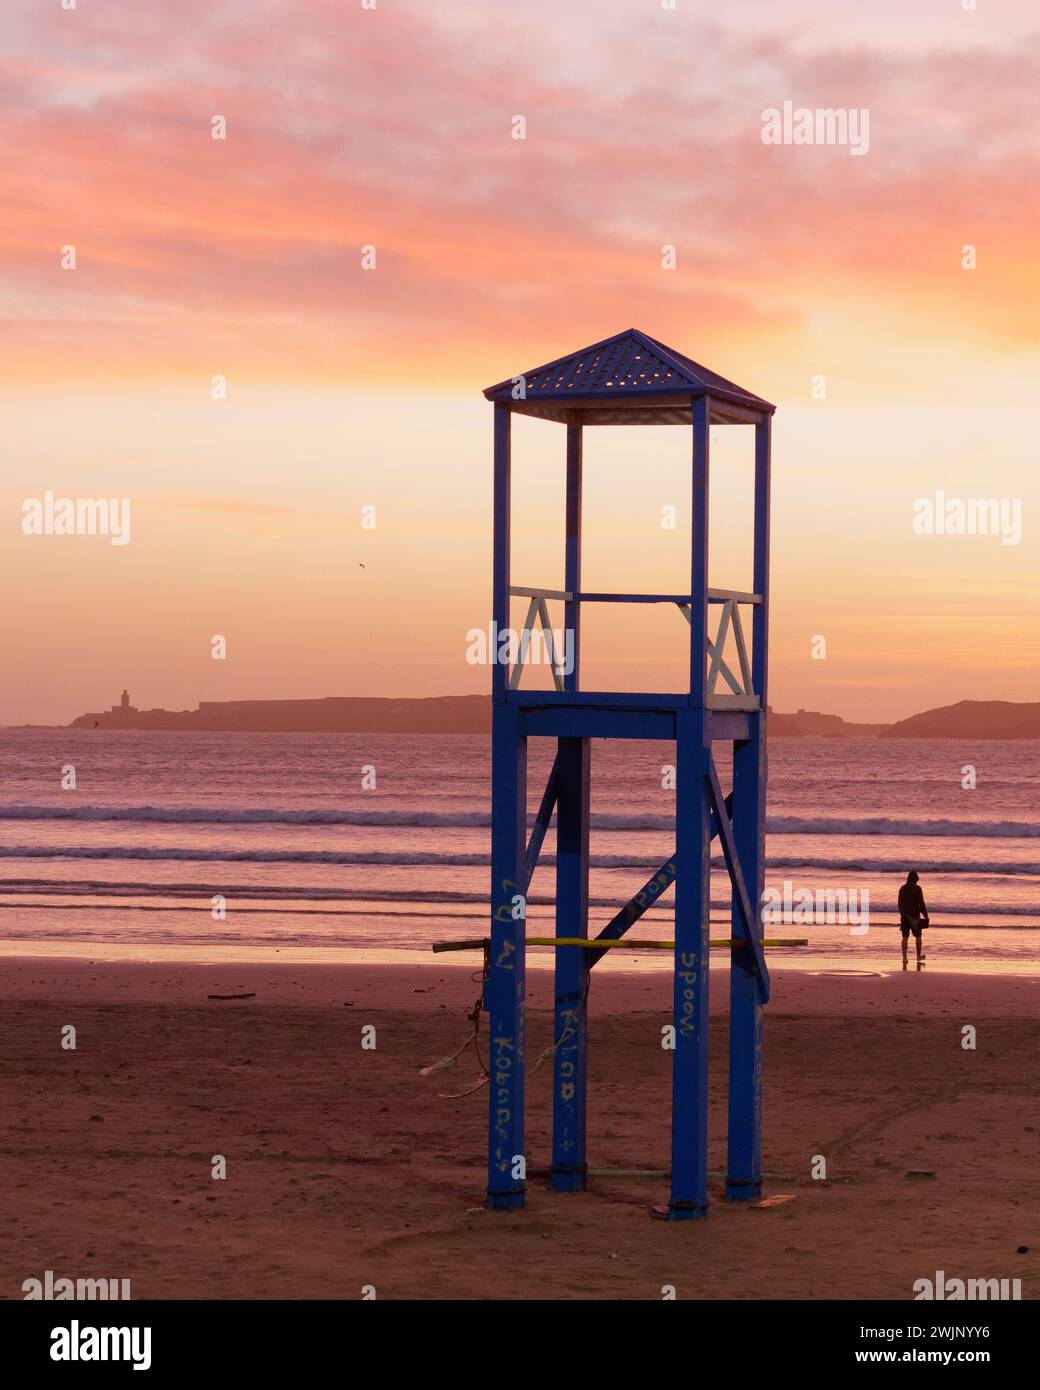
(634, 909)
(718, 665)
(537, 609)
(541, 824)
(748, 918)
(645, 898)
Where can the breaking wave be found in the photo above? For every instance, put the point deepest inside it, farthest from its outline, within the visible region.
(318, 816)
(456, 860)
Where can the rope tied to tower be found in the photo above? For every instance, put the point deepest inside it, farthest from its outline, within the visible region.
(575, 1022)
(472, 1041)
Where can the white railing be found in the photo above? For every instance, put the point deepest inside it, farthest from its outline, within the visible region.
(741, 687)
(728, 618)
(537, 609)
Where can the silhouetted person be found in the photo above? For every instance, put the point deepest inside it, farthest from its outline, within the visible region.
(913, 914)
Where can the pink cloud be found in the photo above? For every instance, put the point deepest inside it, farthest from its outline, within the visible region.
(392, 127)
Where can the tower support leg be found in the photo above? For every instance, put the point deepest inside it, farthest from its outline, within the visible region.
(744, 1156)
(744, 1152)
(689, 1192)
(572, 966)
(505, 988)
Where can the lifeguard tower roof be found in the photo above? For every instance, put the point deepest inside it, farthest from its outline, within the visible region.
(629, 379)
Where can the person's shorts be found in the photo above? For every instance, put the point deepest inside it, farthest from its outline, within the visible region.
(906, 927)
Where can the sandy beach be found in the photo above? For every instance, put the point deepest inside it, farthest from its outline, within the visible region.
(346, 1168)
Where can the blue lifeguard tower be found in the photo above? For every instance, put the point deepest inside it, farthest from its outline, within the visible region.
(631, 379)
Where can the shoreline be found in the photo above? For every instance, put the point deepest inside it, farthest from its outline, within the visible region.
(539, 959)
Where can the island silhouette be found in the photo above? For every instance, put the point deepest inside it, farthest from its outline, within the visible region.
(471, 714)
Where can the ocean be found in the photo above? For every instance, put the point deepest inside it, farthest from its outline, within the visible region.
(314, 865)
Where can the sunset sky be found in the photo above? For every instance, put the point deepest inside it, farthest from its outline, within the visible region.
(346, 387)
